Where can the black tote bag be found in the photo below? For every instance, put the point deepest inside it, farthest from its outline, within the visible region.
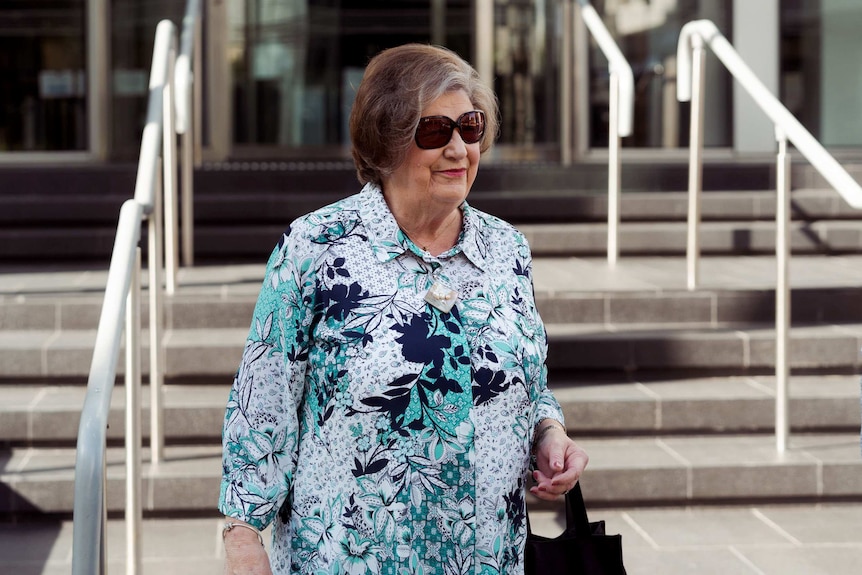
(582, 549)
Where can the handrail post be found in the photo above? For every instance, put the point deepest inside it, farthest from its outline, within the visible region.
(695, 166)
(154, 267)
(188, 99)
(614, 170)
(103, 525)
(782, 294)
(197, 87)
(566, 101)
(621, 111)
(189, 146)
(134, 565)
(169, 158)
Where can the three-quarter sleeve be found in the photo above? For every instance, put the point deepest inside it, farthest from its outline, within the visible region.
(545, 405)
(261, 427)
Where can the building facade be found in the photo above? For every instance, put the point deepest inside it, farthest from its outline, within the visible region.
(279, 75)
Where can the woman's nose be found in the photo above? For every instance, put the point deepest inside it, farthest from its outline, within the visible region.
(456, 146)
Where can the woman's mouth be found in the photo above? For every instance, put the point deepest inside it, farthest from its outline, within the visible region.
(455, 172)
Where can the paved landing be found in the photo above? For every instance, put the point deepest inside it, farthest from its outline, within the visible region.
(766, 540)
(552, 274)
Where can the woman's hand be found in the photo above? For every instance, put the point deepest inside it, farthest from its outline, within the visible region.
(244, 555)
(560, 462)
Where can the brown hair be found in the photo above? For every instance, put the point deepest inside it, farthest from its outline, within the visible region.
(398, 84)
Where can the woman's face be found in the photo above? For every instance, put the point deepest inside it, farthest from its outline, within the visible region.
(441, 177)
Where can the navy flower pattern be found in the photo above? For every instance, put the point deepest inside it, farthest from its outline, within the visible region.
(377, 434)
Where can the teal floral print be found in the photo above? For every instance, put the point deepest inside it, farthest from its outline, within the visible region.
(377, 434)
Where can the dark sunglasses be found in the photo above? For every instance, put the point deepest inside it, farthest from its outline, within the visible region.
(436, 131)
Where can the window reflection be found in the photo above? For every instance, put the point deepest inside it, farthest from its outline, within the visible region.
(819, 67)
(526, 70)
(42, 76)
(133, 29)
(647, 33)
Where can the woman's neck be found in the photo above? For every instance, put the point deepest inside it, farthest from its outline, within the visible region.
(432, 232)
(439, 240)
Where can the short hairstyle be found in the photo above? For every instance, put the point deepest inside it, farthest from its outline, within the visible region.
(398, 84)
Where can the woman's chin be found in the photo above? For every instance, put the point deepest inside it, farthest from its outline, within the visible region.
(455, 192)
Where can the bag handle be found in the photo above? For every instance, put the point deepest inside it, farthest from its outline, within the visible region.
(576, 511)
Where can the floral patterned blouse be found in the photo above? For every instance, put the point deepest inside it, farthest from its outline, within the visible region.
(376, 432)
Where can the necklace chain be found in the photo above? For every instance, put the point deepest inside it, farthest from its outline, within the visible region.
(437, 235)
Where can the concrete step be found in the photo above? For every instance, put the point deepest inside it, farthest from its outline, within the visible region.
(669, 237)
(623, 471)
(706, 405)
(41, 480)
(251, 241)
(710, 307)
(535, 205)
(743, 347)
(526, 177)
(553, 205)
(808, 204)
(196, 308)
(729, 468)
(728, 348)
(553, 276)
(242, 242)
(49, 414)
(232, 226)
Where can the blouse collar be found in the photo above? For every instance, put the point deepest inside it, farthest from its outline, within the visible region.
(388, 244)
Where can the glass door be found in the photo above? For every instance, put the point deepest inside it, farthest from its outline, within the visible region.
(43, 76)
(819, 68)
(295, 65)
(527, 58)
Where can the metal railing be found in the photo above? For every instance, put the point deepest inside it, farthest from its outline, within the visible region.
(691, 57)
(122, 294)
(621, 116)
(155, 190)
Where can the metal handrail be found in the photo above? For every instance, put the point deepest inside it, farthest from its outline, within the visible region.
(88, 545)
(690, 87)
(90, 504)
(621, 116)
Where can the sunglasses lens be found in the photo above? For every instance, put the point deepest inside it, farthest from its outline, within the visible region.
(434, 132)
(472, 127)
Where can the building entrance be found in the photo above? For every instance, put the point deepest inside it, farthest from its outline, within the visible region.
(279, 75)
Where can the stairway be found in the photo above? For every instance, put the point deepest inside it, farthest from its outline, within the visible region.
(669, 390)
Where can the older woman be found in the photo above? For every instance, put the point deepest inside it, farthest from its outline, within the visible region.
(393, 387)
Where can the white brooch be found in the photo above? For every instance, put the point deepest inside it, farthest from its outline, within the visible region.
(441, 296)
